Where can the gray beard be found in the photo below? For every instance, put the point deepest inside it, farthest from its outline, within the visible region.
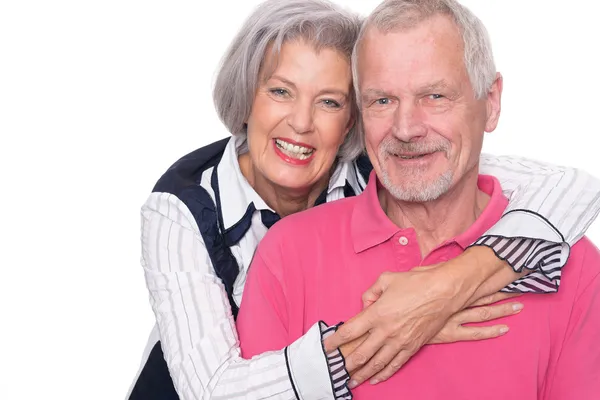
(417, 190)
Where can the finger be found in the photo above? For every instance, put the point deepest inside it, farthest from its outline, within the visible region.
(375, 365)
(392, 367)
(352, 329)
(494, 298)
(425, 267)
(473, 333)
(487, 313)
(350, 347)
(365, 351)
(373, 293)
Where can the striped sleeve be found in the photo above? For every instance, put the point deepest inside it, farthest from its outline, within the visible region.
(550, 208)
(337, 366)
(195, 323)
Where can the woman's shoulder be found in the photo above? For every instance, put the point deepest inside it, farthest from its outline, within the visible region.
(364, 166)
(187, 171)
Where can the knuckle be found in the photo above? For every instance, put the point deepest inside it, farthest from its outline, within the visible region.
(412, 349)
(395, 365)
(507, 309)
(385, 276)
(476, 335)
(489, 299)
(378, 365)
(345, 332)
(485, 313)
(385, 375)
(359, 358)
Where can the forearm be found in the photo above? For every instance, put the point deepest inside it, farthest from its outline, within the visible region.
(477, 273)
(201, 346)
(196, 328)
(550, 208)
(568, 199)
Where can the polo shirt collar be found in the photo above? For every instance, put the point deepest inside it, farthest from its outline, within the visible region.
(491, 213)
(370, 225)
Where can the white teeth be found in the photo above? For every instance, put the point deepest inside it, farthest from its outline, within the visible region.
(299, 152)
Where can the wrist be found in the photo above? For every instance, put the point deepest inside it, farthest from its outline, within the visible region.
(470, 274)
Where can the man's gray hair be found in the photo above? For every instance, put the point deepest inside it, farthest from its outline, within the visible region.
(274, 22)
(394, 15)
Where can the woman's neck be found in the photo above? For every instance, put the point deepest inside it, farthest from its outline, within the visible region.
(284, 201)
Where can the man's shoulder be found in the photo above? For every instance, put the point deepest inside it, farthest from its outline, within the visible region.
(306, 228)
(583, 265)
(586, 249)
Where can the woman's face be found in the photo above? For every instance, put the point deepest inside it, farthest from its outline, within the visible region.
(300, 115)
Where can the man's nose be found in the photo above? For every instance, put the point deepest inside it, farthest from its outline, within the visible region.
(409, 122)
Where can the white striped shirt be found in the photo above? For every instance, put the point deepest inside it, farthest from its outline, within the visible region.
(194, 320)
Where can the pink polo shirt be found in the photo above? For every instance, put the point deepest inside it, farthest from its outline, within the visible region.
(315, 266)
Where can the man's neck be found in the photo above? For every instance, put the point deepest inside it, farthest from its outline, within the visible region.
(284, 201)
(442, 219)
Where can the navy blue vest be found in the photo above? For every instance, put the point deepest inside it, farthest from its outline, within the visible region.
(182, 179)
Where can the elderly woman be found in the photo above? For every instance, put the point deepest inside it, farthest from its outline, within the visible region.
(284, 91)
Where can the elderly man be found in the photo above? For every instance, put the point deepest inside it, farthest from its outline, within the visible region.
(428, 91)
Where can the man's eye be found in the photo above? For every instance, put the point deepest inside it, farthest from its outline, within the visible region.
(383, 101)
(435, 96)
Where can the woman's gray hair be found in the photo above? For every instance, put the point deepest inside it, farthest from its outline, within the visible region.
(393, 15)
(274, 22)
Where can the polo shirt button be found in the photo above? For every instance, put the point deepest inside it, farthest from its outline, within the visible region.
(403, 240)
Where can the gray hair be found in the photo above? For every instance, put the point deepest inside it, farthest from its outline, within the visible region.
(394, 15)
(274, 22)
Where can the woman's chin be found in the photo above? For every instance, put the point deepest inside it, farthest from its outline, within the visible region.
(294, 182)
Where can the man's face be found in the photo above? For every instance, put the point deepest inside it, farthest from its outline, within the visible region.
(423, 125)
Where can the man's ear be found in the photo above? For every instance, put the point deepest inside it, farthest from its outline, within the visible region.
(494, 103)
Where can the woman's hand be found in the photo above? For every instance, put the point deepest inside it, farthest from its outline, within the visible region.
(454, 330)
(406, 310)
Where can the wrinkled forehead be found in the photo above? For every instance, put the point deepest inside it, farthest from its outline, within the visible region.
(432, 49)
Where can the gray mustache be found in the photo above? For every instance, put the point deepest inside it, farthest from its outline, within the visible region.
(395, 146)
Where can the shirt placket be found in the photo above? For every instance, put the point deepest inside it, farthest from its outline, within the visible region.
(406, 250)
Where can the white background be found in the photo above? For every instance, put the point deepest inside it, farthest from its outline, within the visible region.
(98, 98)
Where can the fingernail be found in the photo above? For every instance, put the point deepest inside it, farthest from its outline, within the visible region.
(352, 384)
(517, 307)
(374, 381)
(504, 329)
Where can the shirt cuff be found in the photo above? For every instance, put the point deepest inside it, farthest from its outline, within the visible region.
(525, 239)
(313, 373)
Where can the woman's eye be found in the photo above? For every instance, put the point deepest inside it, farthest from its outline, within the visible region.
(331, 103)
(279, 92)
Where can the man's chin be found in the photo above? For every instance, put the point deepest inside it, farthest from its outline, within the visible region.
(417, 189)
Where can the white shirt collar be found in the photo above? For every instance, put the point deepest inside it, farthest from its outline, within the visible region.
(344, 171)
(236, 193)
